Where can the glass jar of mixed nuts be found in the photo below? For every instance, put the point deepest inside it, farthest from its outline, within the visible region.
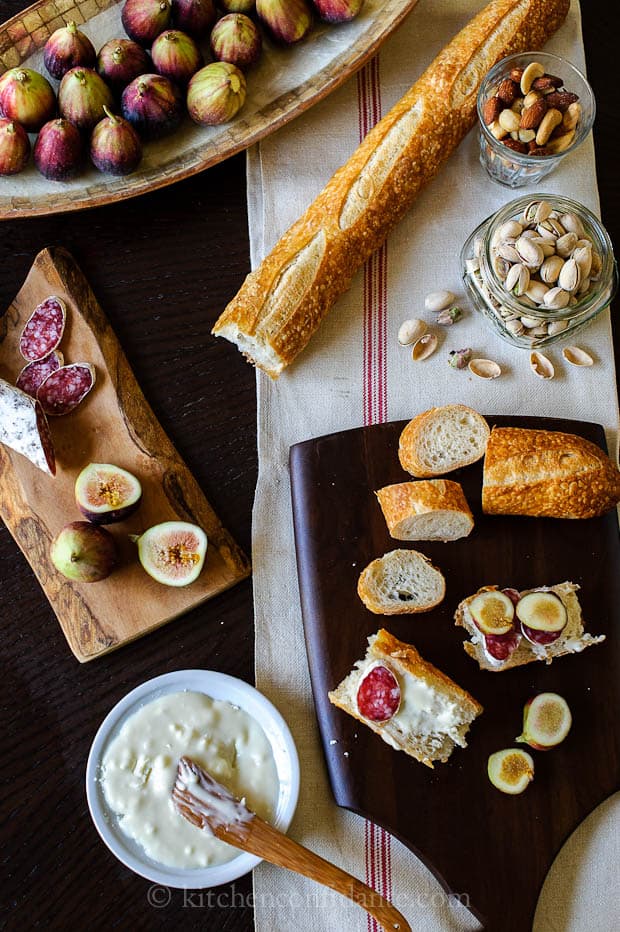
(539, 270)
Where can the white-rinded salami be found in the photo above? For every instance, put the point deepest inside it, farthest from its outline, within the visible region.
(378, 695)
(44, 329)
(35, 373)
(63, 390)
(24, 427)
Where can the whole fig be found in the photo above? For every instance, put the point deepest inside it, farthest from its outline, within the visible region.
(143, 20)
(26, 97)
(237, 6)
(115, 146)
(338, 11)
(176, 56)
(82, 95)
(120, 61)
(236, 39)
(153, 105)
(14, 147)
(67, 48)
(59, 150)
(288, 21)
(216, 93)
(195, 17)
(83, 552)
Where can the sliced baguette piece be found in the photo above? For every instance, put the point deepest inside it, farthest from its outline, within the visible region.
(572, 640)
(430, 509)
(548, 474)
(441, 440)
(401, 582)
(434, 713)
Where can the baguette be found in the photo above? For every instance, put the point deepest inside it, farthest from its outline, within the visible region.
(547, 474)
(441, 440)
(572, 639)
(281, 303)
(431, 509)
(430, 714)
(402, 582)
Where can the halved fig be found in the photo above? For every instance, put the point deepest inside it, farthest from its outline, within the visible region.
(493, 612)
(546, 721)
(173, 553)
(542, 611)
(105, 493)
(511, 771)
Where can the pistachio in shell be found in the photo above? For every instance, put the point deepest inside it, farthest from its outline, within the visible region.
(67, 48)
(216, 93)
(176, 56)
(59, 150)
(143, 20)
(337, 11)
(287, 21)
(120, 61)
(14, 147)
(82, 95)
(26, 97)
(115, 146)
(153, 105)
(195, 17)
(236, 39)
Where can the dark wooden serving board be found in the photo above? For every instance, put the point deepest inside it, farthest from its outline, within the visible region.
(497, 849)
(114, 424)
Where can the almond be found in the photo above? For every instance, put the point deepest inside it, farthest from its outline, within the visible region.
(561, 100)
(491, 110)
(516, 74)
(532, 116)
(508, 91)
(515, 145)
(547, 81)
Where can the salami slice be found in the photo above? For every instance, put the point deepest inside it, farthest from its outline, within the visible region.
(35, 373)
(63, 390)
(501, 646)
(44, 329)
(540, 637)
(378, 695)
(24, 427)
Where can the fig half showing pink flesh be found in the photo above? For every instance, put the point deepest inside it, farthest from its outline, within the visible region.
(105, 493)
(546, 721)
(173, 552)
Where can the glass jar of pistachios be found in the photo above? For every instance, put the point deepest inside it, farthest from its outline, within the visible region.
(539, 270)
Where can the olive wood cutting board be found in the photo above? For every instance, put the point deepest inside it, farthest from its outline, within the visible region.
(491, 850)
(113, 424)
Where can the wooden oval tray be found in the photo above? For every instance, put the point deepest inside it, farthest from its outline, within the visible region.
(286, 82)
(491, 850)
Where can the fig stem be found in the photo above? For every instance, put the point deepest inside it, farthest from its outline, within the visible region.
(111, 116)
(71, 26)
(134, 538)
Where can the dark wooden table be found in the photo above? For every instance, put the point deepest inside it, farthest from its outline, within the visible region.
(163, 267)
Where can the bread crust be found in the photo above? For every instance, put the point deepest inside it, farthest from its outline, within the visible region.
(572, 640)
(282, 302)
(547, 474)
(427, 496)
(365, 588)
(414, 431)
(405, 661)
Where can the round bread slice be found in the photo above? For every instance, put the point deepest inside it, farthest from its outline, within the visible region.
(401, 582)
(430, 509)
(442, 439)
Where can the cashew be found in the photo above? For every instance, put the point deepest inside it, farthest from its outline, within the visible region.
(551, 119)
(572, 116)
(497, 130)
(534, 70)
(561, 143)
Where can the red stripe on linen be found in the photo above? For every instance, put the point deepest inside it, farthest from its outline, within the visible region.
(377, 841)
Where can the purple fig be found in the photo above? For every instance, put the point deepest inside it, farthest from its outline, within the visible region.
(59, 150)
(337, 11)
(143, 20)
(236, 39)
(14, 147)
(115, 146)
(67, 48)
(195, 17)
(288, 21)
(237, 6)
(106, 494)
(216, 93)
(27, 97)
(82, 95)
(176, 56)
(120, 61)
(153, 105)
(83, 552)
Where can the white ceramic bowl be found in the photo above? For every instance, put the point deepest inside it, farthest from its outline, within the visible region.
(218, 686)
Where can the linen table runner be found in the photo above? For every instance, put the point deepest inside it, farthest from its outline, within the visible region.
(354, 373)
